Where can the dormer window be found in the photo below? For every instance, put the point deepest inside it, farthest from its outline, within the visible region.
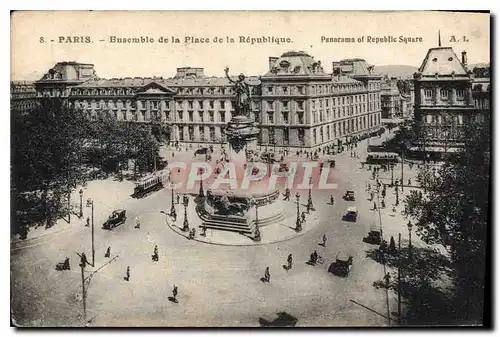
(284, 64)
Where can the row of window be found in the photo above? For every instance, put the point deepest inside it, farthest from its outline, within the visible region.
(320, 89)
(444, 94)
(440, 119)
(324, 133)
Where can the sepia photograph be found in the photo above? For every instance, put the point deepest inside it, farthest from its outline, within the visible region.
(250, 168)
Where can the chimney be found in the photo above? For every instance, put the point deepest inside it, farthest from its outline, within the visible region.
(464, 59)
(272, 61)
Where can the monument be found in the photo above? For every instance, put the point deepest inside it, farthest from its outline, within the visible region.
(231, 210)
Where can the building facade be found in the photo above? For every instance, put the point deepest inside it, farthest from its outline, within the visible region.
(481, 92)
(304, 106)
(297, 103)
(22, 96)
(444, 103)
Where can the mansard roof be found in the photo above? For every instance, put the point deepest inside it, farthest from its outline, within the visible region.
(442, 61)
(296, 63)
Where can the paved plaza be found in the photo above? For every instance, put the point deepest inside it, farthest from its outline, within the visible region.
(218, 276)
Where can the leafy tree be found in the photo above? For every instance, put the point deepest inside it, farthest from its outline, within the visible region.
(46, 159)
(454, 213)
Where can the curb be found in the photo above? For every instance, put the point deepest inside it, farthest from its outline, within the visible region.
(179, 232)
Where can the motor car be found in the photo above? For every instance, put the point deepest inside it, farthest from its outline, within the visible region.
(117, 218)
(349, 196)
(351, 214)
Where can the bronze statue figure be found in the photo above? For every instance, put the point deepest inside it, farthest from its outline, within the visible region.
(243, 93)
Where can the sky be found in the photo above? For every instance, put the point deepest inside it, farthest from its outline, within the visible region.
(306, 31)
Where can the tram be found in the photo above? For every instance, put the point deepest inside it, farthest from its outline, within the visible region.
(148, 184)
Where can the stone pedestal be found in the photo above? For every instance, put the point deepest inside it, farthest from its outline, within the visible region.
(242, 137)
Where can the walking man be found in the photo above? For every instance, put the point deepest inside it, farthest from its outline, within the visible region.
(174, 293)
(155, 253)
(267, 275)
(324, 240)
(382, 203)
(137, 223)
(331, 199)
(287, 194)
(303, 217)
(178, 199)
(88, 222)
(108, 252)
(374, 206)
(127, 277)
(290, 261)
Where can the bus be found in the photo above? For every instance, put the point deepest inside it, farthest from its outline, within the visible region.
(382, 157)
(148, 184)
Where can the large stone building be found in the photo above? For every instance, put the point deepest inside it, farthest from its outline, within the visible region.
(22, 96)
(481, 92)
(297, 104)
(443, 102)
(396, 100)
(304, 106)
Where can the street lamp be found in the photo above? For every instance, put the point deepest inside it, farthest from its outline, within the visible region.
(81, 203)
(392, 174)
(298, 223)
(173, 213)
(185, 225)
(310, 205)
(92, 228)
(410, 226)
(257, 231)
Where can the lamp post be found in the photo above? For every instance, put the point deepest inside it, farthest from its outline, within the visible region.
(185, 225)
(310, 205)
(392, 174)
(257, 231)
(92, 229)
(173, 213)
(410, 226)
(201, 193)
(298, 223)
(81, 203)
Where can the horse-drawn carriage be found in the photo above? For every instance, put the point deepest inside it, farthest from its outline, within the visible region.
(342, 265)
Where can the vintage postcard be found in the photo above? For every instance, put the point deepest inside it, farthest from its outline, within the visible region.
(249, 169)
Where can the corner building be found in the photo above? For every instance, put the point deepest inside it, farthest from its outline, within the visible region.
(303, 106)
(444, 104)
(297, 103)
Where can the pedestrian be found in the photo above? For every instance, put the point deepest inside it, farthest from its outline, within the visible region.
(387, 279)
(174, 293)
(137, 223)
(88, 222)
(108, 252)
(374, 206)
(127, 277)
(267, 275)
(287, 194)
(332, 201)
(324, 240)
(290, 261)
(178, 198)
(303, 216)
(409, 182)
(382, 203)
(155, 253)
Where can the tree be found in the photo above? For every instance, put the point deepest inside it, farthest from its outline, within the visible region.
(46, 160)
(454, 213)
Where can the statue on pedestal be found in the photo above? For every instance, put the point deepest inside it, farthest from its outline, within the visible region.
(243, 93)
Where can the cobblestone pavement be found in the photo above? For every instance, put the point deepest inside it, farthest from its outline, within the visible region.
(217, 285)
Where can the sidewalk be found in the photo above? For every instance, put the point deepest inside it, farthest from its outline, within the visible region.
(107, 195)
